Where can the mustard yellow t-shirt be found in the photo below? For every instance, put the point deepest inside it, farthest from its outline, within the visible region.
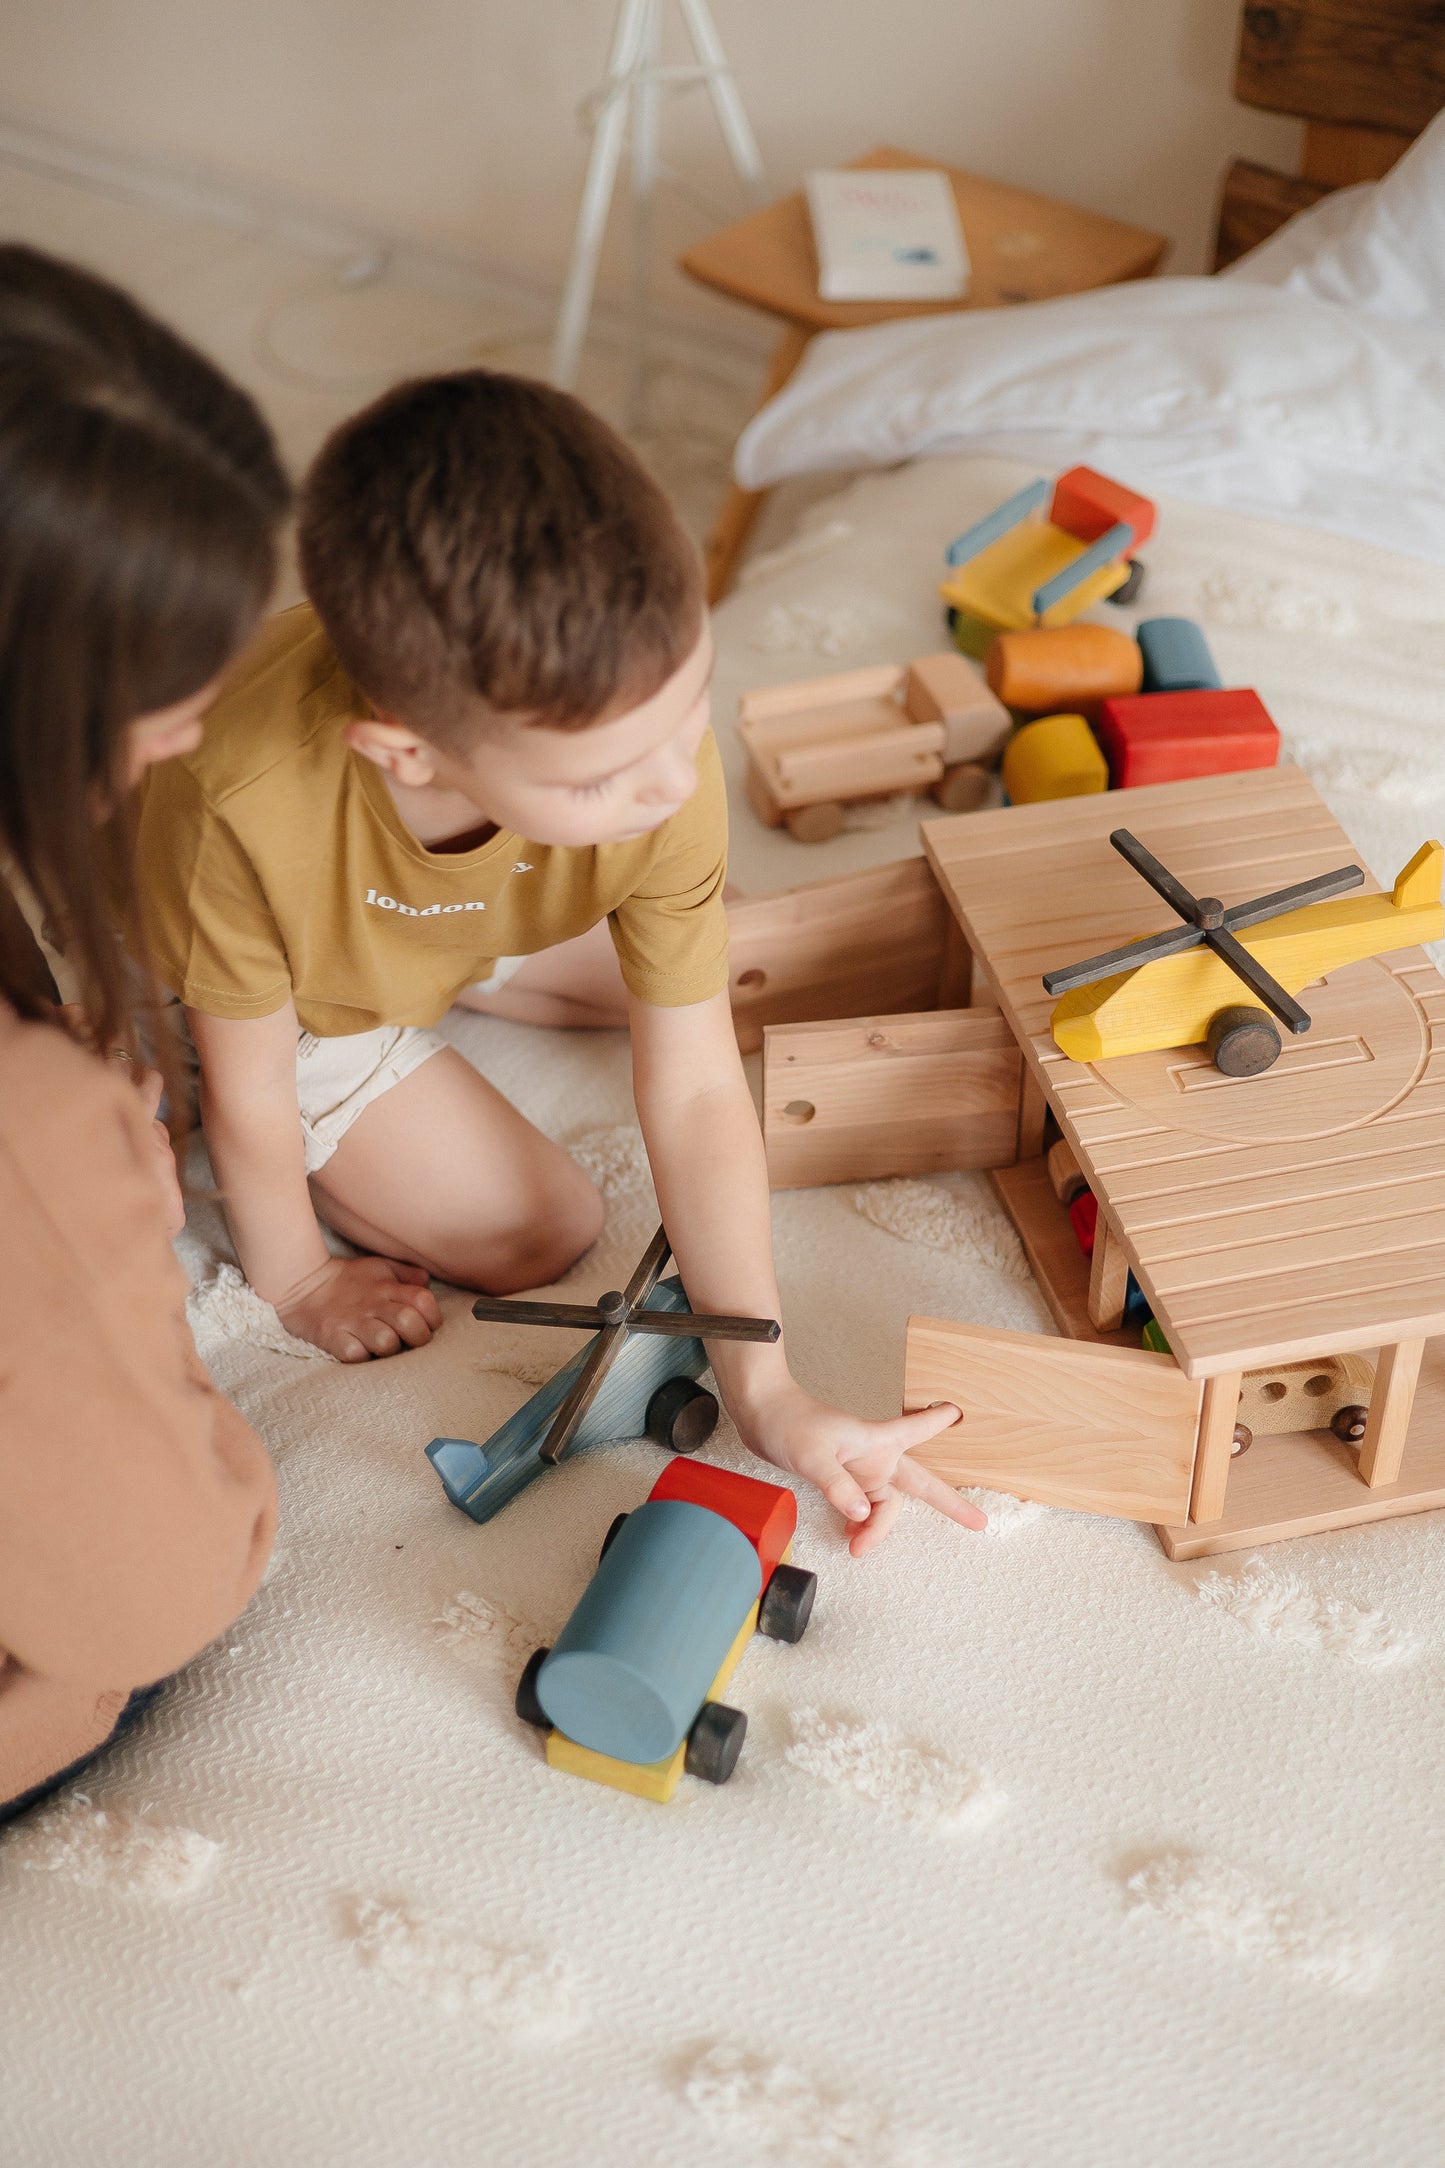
(272, 862)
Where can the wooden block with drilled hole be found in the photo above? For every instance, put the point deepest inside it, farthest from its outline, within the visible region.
(852, 946)
(888, 1095)
(1104, 1429)
(951, 690)
(1304, 1395)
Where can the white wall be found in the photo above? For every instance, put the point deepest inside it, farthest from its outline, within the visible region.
(451, 122)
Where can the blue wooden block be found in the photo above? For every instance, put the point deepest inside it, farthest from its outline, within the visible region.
(481, 1479)
(1176, 656)
(632, 1666)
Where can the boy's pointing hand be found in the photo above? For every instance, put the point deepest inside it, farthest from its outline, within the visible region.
(861, 1467)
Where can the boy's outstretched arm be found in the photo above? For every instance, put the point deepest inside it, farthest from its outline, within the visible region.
(353, 1307)
(707, 1159)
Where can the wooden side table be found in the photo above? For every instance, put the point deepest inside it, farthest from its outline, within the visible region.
(1023, 247)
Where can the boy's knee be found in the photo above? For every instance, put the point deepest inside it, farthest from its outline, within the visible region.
(563, 1229)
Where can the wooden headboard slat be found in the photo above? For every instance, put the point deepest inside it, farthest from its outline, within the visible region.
(1368, 63)
(1255, 203)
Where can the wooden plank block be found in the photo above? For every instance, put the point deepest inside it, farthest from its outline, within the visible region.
(888, 1095)
(1217, 1419)
(1103, 1429)
(1367, 63)
(858, 945)
(1108, 1279)
(879, 681)
(908, 758)
(1396, 1375)
(1255, 202)
(1308, 1481)
(955, 972)
(814, 725)
(1052, 1249)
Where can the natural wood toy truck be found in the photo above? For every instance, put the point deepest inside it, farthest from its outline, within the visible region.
(817, 747)
(630, 1694)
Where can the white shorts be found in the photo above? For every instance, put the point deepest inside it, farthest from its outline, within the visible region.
(337, 1079)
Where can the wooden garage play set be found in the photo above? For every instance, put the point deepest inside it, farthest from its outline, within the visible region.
(1285, 1226)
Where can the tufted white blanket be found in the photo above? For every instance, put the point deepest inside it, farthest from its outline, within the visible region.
(1041, 1850)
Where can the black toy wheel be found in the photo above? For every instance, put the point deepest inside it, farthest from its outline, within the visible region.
(1243, 1040)
(787, 1603)
(1350, 1425)
(611, 1537)
(528, 1707)
(1242, 1440)
(1127, 593)
(952, 616)
(715, 1742)
(681, 1415)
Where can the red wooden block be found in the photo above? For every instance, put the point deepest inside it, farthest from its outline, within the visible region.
(1166, 737)
(1084, 1212)
(767, 1513)
(1087, 504)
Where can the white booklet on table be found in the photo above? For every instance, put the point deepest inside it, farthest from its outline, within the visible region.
(887, 234)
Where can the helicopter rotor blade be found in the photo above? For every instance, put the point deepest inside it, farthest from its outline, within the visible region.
(1172, 942)
(1147, 866)
(605, 1351)
(502, 1310)
(689, 1325)
(1264, 988)
(1323, 886)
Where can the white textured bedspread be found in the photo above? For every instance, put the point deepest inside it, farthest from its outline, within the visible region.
(1041, 1850)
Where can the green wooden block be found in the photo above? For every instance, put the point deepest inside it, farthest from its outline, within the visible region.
(1154, 1338)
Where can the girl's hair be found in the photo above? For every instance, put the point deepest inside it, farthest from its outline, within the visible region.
(140, 499)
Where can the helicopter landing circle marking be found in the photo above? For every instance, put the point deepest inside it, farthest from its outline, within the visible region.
(1367, 1045)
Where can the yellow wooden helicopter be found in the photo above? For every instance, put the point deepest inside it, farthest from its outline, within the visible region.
(1184, 986)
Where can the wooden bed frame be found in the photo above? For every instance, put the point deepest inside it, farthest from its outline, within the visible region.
(1365, 77)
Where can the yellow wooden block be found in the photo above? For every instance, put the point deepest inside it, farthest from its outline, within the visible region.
(1170, 1002)
(998, 586)
(1056, 757)
(646, 1780)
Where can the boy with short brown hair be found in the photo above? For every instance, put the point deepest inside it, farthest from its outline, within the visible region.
(486, 741)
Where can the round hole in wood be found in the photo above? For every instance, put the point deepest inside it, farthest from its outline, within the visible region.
(1273, 1391)
(799, 1111)
(752, 979)
(1318, 1385)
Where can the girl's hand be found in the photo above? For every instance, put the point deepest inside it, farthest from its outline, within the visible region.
(860, 1467)
(357, 1307)
(149, 1085)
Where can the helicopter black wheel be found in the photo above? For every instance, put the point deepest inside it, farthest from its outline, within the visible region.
(681, 1415)
(528, 1707)
(715, 1742)
(1123, 596)
(1243, 1040)
(787, 1603)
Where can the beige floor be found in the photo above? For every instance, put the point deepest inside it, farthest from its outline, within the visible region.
(312, 347)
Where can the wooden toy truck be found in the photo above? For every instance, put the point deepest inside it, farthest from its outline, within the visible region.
(630, 1696)
(817, 747)
(1295, 1218)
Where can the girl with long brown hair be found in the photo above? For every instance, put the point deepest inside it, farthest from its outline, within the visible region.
(140, 499)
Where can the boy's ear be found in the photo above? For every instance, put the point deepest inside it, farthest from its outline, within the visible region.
(397, 751)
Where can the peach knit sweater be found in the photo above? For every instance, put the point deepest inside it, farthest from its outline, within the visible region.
(136, 1507)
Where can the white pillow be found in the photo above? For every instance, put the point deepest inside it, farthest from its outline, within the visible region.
(1225, 391)
(1379, 246)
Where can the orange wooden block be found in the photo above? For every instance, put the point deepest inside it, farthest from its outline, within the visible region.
(1087, 505)
(1064, 668)
(766, 1513)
